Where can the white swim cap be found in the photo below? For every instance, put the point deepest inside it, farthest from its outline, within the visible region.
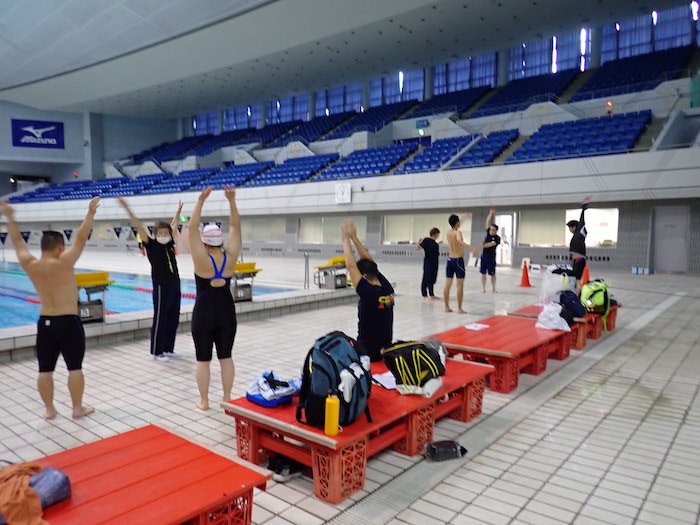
(212, 235)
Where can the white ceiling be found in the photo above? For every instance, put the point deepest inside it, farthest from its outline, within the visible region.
(277, 49)
(43, 38)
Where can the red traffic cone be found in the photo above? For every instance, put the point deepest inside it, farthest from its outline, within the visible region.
(525, 279)
(586, 276)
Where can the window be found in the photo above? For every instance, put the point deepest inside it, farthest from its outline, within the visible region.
(206, 123)
(375, 92)
(405, 228)
(336, 100)
(458, 72)
(601, 226)
(353, 97)
(301, 107)
(286, 109)
(236, 118)
(528, 60)
(391, 89)
(321, 103)
(673, 28)
(635, 36)
(542, 228)
(273, 108)
(413, 85)
(326, 230)
(483, 70)
(440, 79)
(548, 228)
(609, 36)
(572, 51)
(263, 229)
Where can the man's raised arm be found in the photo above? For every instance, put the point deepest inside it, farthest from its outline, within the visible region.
(23, 255)
(80, 238)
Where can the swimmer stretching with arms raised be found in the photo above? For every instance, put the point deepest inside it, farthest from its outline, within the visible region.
(59, 331)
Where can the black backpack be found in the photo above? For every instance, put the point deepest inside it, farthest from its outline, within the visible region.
(413, 363)
(330, 355)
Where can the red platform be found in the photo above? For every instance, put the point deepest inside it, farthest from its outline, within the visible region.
(149, 476)
(579, 330)
(403, 421)
(509, 343)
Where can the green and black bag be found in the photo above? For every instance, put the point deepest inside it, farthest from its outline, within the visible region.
(596, 298)
(414, 363)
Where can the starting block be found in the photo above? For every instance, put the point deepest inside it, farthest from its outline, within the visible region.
(332, 275)
(92, 311)
(241, 290)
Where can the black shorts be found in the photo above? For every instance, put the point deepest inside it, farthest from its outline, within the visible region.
(579, 266)
(60, 335)
(488, 265)
(455, 268)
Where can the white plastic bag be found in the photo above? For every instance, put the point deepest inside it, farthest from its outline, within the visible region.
(552, 284)
(549, 318)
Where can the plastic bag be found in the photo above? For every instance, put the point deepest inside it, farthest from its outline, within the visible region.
(552, 284)
(549, 318)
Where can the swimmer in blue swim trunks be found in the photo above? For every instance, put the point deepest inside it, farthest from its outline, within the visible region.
(455, 263)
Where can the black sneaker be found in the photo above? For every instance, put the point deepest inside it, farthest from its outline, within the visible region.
(284, 469)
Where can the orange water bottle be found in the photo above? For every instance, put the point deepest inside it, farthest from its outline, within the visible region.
(332, 417)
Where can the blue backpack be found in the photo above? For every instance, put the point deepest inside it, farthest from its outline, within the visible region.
(570, 302)
(330, 355)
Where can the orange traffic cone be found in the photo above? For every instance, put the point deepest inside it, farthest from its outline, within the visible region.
(586, 276)
(525, 279)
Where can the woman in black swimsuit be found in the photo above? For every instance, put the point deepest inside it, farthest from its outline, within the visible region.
(214, 315)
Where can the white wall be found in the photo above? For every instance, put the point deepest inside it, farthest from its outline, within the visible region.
(124, 136)
(73, 134)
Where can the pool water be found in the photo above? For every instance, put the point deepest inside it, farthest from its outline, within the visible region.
(17, 293)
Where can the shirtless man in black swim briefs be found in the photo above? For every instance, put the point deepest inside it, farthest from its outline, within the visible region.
(59, 330)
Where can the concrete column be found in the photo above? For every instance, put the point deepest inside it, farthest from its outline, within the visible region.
(596, 38)
(312, 105)
(291, 231)
(374, 230)
(503, 65)
(428, 82)
(221, 122)
(365, 95)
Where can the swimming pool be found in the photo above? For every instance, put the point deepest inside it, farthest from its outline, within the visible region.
(18, 306)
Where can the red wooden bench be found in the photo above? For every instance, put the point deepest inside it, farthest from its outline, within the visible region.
(595, 322)
(509, 343)
(579, 330)
(150, 475)
(404, 422)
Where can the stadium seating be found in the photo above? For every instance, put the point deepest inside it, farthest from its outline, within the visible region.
(638, 73)
(313, 129)
(235, 175)
(367, 162)
(457, 101)
(436, 154)
(183, 181)
(581, 138)
(293, 170)
(373, 119)
(517, 95)
(486, 149)
(269, 133)
(139, 157)
(217, 142)
(177, 149)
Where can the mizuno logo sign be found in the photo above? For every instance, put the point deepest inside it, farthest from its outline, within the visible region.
(38, 132)
(33, 134)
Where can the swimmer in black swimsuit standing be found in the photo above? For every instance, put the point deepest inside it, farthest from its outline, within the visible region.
(214, 315)
(59, 330)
